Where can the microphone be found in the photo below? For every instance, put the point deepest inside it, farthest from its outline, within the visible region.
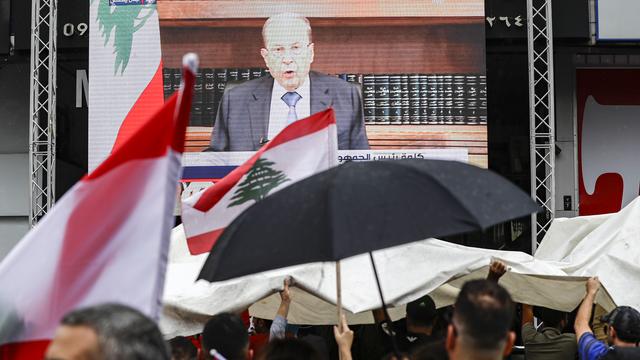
(263, 140)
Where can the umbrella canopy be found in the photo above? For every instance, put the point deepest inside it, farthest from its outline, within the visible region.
(360, 207)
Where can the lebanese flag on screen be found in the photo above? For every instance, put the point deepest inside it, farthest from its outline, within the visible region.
(125, 72)
(106, 240)
(303, 148)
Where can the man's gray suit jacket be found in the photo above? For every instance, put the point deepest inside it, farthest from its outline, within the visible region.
(242, 122)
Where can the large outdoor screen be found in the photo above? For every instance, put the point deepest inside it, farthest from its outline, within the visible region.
(405, 78)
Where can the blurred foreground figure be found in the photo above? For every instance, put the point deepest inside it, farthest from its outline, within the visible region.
(288, 349)
(480, 327)
(182, 349)
(225, 337)
(107, 332)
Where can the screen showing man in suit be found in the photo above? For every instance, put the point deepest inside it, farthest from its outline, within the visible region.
(404, 78)
(253, 112)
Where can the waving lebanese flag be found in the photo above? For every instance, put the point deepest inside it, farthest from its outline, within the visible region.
(106, 240)
(302, 149)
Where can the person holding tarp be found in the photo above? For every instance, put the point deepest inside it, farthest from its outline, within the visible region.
(622, 329)
(548, 342)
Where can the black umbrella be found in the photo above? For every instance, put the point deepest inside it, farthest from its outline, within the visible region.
(360, 207)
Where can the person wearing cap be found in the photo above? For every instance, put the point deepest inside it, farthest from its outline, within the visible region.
(622, 328)
(415, 330)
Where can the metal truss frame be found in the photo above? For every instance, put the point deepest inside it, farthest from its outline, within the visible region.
(42, 108)
(541, 111)
(541, 116)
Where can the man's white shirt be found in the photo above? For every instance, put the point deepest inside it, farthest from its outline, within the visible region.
(279, 111)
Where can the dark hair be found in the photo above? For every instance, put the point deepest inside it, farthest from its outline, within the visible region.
(432, 351)
(422, 311)
(288, 349)
(483, 312)
(226, 334)
(182, 349)
(123, 332)
(626, 321)
(550, 317)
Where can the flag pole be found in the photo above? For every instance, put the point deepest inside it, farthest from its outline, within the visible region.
(339, 295)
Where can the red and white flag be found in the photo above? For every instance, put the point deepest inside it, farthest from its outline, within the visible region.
(106, 240)
(125, 72)
(303, 148)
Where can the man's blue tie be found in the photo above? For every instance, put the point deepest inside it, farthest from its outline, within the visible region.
(291, 98)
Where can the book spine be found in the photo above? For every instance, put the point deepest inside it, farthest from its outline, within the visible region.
(175, 81)
(440, 99)
(423, 80)
(482, 99)
(471, 99)
(432, 99)
(448, 98)
(256, 73)
(406, 105)
(167, 85)
(209, 113)
(369, 98)
(233, 74)
(414, 99)
(395, 99)
(244, 74)
(196, 104)
(458, 99)
(220, 76)
(382, 99)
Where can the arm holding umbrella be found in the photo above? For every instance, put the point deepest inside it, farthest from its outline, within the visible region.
(344, 338)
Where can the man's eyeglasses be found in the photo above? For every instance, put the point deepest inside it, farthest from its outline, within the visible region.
(295, 49)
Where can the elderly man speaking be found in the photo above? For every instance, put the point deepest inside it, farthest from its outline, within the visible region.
(252, 113)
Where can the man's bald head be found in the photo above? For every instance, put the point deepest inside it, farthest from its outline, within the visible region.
(284, 23)
(288, 51)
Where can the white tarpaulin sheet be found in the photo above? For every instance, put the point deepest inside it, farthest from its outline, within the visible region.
(572, 251)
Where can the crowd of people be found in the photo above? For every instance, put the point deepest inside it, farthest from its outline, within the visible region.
(482, 324)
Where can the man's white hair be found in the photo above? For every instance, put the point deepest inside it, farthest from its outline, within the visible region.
(284, 20)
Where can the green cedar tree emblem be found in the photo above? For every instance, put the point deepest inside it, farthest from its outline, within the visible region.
(125, 20)
(260, 180)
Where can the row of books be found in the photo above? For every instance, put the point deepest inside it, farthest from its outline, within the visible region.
(208, 89)
(423, 98)
(388, 98)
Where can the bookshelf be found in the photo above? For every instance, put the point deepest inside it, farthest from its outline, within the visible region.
(350, 36)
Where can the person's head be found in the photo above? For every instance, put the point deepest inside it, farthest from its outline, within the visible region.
(226, 334)
(551, 318)
(421, 315)
(288, 49)
(432, 351)
(622, 326)
(182, 349)
(260, 326)
(288, 349)
(107, 332)
(480, 327)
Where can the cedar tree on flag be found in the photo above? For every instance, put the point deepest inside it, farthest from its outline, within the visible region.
(302, 149)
